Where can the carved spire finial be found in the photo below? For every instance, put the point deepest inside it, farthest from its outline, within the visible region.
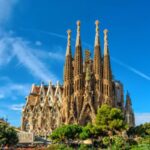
(128, 99)
(68, 51)
(105, 42)
(97, 33)
(78, 33)
(97, 26)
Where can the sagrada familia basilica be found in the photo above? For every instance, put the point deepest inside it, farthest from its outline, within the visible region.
(88, 83)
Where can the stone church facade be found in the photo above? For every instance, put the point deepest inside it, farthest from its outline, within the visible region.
(88, 83)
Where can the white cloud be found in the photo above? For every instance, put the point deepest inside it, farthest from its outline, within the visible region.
(56, 35)
(6, 54)
(141, 118)
(56, 53)
(2, 96)
(137, 72)
(12, 90)
(38, 43)
(23, 51)
(6, 10)
(32, 63)
(16, 107)
(56, 56)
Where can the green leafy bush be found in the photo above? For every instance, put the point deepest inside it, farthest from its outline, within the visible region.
(66, 133)
(8, 135)
(110, 119)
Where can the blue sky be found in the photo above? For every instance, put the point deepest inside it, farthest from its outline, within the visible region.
(33, 45)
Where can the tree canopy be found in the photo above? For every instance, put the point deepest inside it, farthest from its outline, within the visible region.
(66, 133)
(109, 118)
(8, 135)
(141, 130)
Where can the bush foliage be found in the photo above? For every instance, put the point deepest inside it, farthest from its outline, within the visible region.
(8, 135)
(106, 132)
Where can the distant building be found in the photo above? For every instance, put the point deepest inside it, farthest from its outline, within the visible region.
(87, 85)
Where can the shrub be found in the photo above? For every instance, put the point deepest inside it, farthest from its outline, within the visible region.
(8, 135)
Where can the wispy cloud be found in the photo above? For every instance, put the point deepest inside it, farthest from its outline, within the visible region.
(19, 48)
(57, 56)
(58, 35)
(38, 43)
(132, 69)
(10, 89)
(57, 53)
(141, 118)
(6, 54)
(23, 51)
(32, 63)
(6, 10)
(16, 107)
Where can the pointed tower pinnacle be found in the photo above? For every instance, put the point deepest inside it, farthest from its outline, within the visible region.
(68, 50)
(68, 79)
(78, 60)
(128, 100)
(68, 62)
(107, 74)
(78, 71)
(78, 42)
(97, 42)
(97, 62)
(106, 52)
(129, 114)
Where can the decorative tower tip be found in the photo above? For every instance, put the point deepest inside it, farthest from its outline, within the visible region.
(106, 42)
(97, 33)
(69, 32)
(105, 31)
(97, 22)
(78, 33)
(68, 51)
(78, 23)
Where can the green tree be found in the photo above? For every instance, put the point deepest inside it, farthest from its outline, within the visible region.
(110, 119)
(107, 141)
(90, 131)
(66, 133)
(118, 142)
(8, 135)
(141, 130)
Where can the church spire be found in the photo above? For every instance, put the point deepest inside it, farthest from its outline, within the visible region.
(128, 100)
(97, 42)
(78, 71)
(78, 41)
(97, 53)
(68, 62)
(106, 52)
(129, 114)
(78, 60)
(107, 74)
(97, 62)
(68, 50)
(68, 79)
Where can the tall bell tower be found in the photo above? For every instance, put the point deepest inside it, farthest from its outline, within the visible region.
(68, 79)
(78, 72)
(107, 74)
(97, 66)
